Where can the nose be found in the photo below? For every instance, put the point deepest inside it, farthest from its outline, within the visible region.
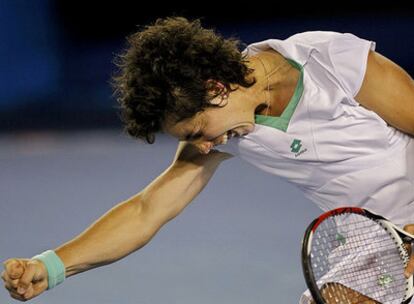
(205, 147)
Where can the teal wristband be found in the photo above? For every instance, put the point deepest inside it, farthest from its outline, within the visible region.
(54, 265)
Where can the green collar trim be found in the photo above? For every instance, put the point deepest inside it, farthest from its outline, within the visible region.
(282, 122)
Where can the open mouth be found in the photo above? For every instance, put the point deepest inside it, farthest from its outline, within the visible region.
(227, 136)
(225, 139)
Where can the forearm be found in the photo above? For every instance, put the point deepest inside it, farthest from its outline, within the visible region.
(116, 234)
(131, 224)
(168, 195)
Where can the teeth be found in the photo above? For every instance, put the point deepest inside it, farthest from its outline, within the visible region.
(225, 139)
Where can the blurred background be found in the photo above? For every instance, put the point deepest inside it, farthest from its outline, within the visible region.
(64, 160)
(56, 56)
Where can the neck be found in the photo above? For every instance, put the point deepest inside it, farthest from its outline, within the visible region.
(276, 82)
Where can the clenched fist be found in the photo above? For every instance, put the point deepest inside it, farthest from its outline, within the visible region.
(24, 278)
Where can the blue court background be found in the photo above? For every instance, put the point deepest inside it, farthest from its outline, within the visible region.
(238, 242)
(64, 160)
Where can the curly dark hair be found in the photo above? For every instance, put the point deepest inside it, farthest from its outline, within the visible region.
(164, 72)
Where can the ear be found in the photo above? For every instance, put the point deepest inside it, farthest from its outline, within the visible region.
(218, 89)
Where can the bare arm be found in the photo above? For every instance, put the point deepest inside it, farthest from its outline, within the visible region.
(131, 224)
(125, 228)
(389, 91)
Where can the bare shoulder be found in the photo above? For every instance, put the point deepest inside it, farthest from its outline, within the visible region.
(388, 90)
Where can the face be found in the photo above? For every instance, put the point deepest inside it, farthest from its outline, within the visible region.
(215, 125)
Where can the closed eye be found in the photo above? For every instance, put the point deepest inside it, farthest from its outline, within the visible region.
(194, 136)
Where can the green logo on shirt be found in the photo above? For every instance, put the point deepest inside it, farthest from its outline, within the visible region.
(296, 145)
(297, 148)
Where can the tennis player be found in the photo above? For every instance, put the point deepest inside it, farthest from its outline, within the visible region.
(321, 109)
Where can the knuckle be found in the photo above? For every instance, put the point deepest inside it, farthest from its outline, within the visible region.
(33, 262)
(11, 262)
(10, 267)
(30, 263)
(7, 262)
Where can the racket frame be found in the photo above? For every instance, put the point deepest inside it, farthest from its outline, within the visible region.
(400, 237)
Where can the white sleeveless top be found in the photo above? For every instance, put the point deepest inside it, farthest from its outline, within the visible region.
(335, 150)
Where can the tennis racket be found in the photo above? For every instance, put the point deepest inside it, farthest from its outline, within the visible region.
(351, 255)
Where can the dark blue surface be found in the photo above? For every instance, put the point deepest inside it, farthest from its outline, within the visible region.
(56, 60)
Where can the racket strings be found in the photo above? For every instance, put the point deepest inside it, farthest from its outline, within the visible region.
(387, 255)
(371, 279)
(393, 269)
(391, 247)
(367, 262)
